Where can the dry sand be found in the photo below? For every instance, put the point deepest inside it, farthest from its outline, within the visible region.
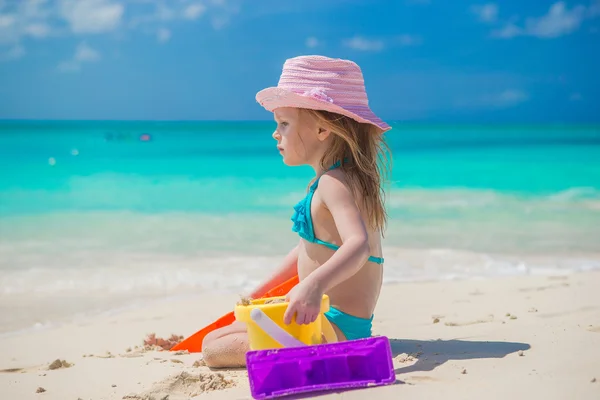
(513, 338)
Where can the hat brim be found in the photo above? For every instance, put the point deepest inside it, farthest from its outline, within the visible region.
(276, 97)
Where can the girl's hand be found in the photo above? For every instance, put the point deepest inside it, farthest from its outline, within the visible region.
(304, 301)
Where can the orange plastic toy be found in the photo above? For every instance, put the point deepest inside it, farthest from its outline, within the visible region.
(193, 344)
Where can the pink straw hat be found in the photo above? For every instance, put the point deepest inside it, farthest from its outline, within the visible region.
(322, 83)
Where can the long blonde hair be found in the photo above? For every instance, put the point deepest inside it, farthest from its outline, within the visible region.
(369, 159)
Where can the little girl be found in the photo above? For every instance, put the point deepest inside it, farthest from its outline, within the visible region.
(323, 120)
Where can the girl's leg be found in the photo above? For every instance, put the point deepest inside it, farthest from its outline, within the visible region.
(226, 347)
(331, 333)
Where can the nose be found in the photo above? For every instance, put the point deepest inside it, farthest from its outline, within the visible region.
(276, 135)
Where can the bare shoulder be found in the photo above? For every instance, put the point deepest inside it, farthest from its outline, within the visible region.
(334, 187)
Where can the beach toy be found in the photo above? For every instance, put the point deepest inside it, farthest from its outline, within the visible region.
(266, 329)
(351, 364)
(269, 327)
(193, 343)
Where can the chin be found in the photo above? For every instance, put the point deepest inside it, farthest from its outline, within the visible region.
(292, 163)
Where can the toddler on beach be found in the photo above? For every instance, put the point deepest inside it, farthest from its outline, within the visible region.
(323, 120)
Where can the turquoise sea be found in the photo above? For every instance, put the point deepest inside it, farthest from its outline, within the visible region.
(93, 218)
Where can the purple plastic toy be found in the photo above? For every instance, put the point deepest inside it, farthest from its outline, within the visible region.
(292, 370)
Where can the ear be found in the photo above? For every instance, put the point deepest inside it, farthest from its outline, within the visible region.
(323, 134)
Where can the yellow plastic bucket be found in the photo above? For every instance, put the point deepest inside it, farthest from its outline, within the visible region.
(308, 334)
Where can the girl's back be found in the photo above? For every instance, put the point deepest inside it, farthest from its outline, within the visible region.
(357, 295)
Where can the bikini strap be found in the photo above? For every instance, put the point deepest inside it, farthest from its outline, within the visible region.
(335, 165)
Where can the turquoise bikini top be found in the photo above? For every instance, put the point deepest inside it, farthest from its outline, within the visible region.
(303, 221)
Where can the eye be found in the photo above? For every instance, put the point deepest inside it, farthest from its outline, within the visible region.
(284, 124)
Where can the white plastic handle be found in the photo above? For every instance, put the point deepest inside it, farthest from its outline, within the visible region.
(272, 329)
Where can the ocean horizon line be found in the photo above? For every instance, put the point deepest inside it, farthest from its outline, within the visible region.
(411, 123)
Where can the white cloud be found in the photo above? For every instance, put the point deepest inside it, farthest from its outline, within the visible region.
(194, 11)
(559, 21)
(409, 40)
(92, 16)
(26, 18)
(35, 8)
(163, 35)
(14, 53)
(83, 54)
(575, 97)
(486, 13)
(510, 30)
(8, 28)
(594, 9)
(40, 19)
(507, 98)
(363, 44)
(312, 42)
(6, 21)
(222, 11)
(512, 96)
(38, 30)
(161, 14)
(69, 66)
(219, 22)
(165, 13)
(219, 11)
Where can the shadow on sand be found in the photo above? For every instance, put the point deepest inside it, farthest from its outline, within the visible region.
(432, 353)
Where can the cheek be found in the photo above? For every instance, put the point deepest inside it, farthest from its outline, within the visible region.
(294, 154)
(293, 143)
(308, 142)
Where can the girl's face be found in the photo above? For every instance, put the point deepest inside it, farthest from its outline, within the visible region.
(299, 139)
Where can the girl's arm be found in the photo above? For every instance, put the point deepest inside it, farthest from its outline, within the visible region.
(305, 298)
(286, 271)
(354, 251)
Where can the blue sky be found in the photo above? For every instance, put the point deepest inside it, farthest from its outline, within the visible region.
(423, 60)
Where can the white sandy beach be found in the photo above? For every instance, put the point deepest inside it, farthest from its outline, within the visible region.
(532, 337)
